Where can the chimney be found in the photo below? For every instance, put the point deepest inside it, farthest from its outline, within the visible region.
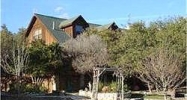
(53, 25)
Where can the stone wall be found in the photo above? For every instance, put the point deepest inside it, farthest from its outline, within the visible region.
(101, 96)
(107, 96)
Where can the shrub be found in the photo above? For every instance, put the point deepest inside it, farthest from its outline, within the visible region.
(100, 86)
(125, 87)
(35, 89)
(15, 87)
(113, 86)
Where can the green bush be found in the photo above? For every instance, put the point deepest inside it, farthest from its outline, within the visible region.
(112, 87)
(22, 88)
(101, 84)
(125, 87)
(15, 87)
(35, 89)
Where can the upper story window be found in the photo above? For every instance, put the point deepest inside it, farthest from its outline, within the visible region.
(78, 29)
(37, 34)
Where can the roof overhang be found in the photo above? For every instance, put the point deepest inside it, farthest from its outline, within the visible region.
(30, 25)
(69, 22)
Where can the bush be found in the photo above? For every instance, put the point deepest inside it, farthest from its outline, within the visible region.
(100, 86)
(15, 87)
(35, 89)
(112, 87)
(22, 88)
(126, 88)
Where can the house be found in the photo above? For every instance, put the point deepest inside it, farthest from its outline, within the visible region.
(58, 30)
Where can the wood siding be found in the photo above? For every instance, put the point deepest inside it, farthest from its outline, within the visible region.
(69, 30)
(46, 35)
(68, 79)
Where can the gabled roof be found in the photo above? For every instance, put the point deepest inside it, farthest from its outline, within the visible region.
(58, 23)
(107, 26)
(70, 21)
(48, 21)
(93, 25)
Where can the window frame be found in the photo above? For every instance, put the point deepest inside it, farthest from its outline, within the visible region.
(37, 34)
(78, 29)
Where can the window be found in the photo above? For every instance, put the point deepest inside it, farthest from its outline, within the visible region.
(37, 34)
(78, 29)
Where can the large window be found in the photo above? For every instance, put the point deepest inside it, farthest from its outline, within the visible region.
(78, 29)
(37, 34)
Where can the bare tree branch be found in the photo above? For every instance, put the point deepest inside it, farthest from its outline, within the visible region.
(87, 52)
(162, 69)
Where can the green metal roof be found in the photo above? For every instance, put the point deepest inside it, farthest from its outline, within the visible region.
(56, 32)
(68, 21)
(93, 25)
(107, 26)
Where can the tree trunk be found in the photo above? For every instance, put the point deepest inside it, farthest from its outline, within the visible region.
(156, 86)
(57, 81)
(165, 96)
(172, 93)
(165, 92)
(18, 83)
(149, 87)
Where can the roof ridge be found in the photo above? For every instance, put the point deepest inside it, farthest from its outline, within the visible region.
(73, 18)
(95, 24)
(69, 21)
(49, 16)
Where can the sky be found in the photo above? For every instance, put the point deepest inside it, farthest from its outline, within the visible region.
(17, 14)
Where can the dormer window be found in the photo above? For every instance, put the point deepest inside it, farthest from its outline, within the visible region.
(78, 29)
(37, 34)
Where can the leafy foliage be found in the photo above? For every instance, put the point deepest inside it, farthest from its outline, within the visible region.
(129, 48)
(6, 46)
(140, 42)
(44, 59)
(13, 52)
(112, 87)
(30, 88)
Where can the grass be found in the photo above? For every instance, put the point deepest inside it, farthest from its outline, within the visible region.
(136, 95)
(154, 97)
(148, 96)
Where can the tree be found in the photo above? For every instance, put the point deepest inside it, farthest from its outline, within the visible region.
(87, 52)
(6, 46)
(111, 38)
(162, 69)
(14, 60)
(13, 53)
(20, 36)
(132, 46)
(14, 56)
(140, 41)
(43, 61)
